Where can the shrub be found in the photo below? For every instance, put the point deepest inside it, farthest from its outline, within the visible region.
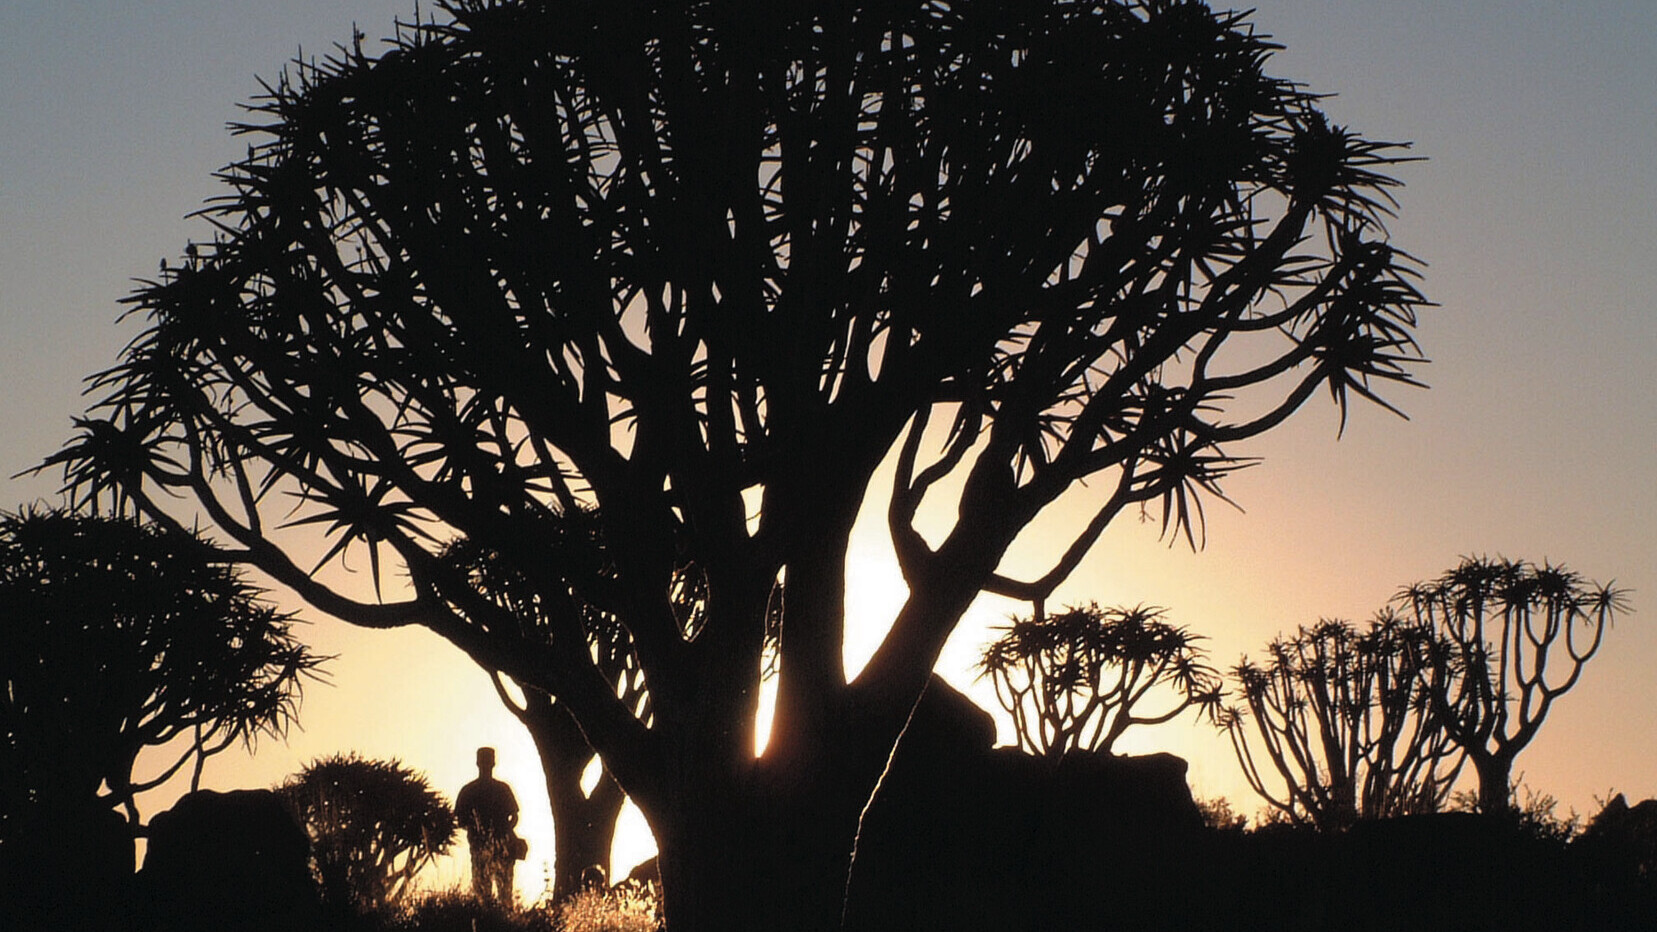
(1218, 815)
(1532, 811)
(373, 825)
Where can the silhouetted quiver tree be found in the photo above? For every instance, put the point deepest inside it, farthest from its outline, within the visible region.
(1078, 679)
(373, 825)
(697, 269)
(1510, 637)
(118, 640)
(1335, 726)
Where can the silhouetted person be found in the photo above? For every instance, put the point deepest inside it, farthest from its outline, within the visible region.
(488, 811)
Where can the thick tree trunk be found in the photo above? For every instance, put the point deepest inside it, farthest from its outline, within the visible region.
(1495, 772)
(584, 827)
(757, 863)
(1343, 804)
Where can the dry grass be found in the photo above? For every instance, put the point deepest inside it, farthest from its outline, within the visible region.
(626, 907)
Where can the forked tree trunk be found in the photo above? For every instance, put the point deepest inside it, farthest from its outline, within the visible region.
(584, 826)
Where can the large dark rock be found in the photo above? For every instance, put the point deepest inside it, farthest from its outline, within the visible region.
(235, 861)
(963, 835)
(648, 870)
(966, 835)
(1618, 852)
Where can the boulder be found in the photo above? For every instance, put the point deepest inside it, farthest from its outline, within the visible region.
(236, 861)
(963, 834)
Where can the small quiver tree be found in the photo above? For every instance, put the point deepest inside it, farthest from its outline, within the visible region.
(1340, 721)
(1509, 637)
(123, 647)
(373, 825)
(120, 639)
(1079, 679)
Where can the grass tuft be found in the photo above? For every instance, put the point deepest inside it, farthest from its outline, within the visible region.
(626, 907)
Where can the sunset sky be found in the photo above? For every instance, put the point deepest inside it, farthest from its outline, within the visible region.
(1535, 211)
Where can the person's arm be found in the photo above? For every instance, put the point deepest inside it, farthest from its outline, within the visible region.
(465, 811)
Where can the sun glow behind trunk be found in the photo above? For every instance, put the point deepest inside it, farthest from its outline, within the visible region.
(875, 592)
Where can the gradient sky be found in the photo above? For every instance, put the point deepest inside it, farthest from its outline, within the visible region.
(1536, 212)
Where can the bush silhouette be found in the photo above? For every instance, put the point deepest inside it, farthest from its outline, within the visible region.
(626, 907)
(457, 910)
(373, 825)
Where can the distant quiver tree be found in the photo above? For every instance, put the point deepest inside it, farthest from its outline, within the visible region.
(1337, 726)
(373, 825)
(1509, 638)
(1078, 679)
(693, 272)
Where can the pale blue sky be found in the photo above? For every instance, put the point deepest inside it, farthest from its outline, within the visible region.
(1537, 214)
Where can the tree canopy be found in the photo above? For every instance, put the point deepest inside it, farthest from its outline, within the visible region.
(638, 296)
(119, 638)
